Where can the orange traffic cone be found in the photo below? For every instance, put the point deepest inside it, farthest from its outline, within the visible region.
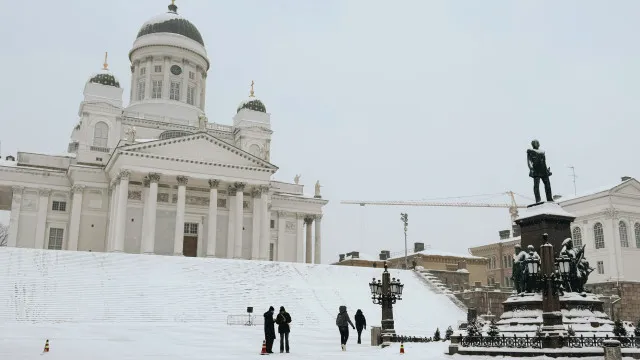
(46, 347)
(264, 348)
(401, 348)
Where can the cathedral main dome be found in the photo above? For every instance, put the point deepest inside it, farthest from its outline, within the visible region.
(171, 22)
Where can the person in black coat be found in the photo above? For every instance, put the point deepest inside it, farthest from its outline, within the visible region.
(283, 320)
(269, 330)
(361, 323)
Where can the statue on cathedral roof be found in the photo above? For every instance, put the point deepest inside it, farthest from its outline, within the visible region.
(296, 179)
(317, 195)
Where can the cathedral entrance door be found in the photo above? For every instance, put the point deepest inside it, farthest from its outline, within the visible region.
(190, 246)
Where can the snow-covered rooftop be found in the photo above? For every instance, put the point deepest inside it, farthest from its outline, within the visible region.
(362, 256)
(433, 252)
(547, 208)
(8, 163)
(598, 190)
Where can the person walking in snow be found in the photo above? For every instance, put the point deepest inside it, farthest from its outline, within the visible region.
(269, 330)
(283, 320)
(343, 321)
(361, 323)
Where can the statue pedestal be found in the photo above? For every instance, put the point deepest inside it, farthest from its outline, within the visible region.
(541, 218)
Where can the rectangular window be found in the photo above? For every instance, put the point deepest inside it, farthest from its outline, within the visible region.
(191, 228)
(156, 92)
(143, 70)
(158, 68)
(59, 206)
(273, 224)
(191, 95)
(55, 238)
(174, 94)
(192, 75)
(141, 86)
(271, 252)
(600, 267)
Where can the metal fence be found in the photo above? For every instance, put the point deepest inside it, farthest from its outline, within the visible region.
(247, 320)
(536, 342)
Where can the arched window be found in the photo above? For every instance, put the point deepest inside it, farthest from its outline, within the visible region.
(493, 262)
(637, 231)
(101, 134)
(577, 237)
(598, 236)
(624, 235)
(254, 150)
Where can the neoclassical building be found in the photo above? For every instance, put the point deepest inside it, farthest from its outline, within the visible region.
(156, 177)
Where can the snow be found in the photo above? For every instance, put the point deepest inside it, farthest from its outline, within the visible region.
(362, 256)
(160, 18)
(129, 306)
(145, 140)
(547, 208)
(8, 163)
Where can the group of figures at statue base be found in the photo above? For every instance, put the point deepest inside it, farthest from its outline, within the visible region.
(570, 275)
(535, 342)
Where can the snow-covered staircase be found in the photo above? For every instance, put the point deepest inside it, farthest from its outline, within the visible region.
(85, 287)
(438, 287)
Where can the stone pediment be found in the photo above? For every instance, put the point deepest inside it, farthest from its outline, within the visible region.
(631, 188)
(201, 147)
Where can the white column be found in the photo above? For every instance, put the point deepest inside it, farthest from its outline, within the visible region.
(166, 82)
(145, 213)
(308, 221)
(178, 235)
(231, 229)
(147, 246)
(255, 229)
(74, 223)
(300, 237)
(239, 219)
(148, 85)
(318, 245)
(212, 221)
(121, 211)
(14, 221)
(265, 233)
(282, 225)
(113, 205)
(184, 80)
(43, 208)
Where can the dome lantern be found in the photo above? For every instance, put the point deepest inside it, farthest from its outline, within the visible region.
(105, 77)
(171, 22)
(252, 103)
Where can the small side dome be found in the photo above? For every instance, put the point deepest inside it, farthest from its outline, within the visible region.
(252, 103)
(105, 77)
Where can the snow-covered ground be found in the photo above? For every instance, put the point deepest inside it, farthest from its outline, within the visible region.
(123, 306)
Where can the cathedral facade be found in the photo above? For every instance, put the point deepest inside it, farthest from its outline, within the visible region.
(156, 177)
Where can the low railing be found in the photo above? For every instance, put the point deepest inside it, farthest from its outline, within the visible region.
(409, 339)
(100, 149)
(536, 341)
(247, 320)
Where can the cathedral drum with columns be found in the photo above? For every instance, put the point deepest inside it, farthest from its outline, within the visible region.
(157, 177)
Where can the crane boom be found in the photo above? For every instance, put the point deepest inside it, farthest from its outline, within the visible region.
(426, 203)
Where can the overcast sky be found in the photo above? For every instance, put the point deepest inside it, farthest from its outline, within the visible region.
(378, 100)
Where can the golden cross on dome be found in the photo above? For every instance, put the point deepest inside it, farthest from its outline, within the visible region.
(105, 66)
(251, 93)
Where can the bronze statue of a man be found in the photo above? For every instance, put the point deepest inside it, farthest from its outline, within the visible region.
(538, 170)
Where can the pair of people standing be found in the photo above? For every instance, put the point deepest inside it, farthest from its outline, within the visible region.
(343, 321)
(283, 320)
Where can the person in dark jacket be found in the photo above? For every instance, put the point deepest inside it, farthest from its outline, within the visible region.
(269, 330)
(361, 323)
(283, 320)
(343, 321)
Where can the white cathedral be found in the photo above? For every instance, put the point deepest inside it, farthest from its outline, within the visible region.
(156, 177)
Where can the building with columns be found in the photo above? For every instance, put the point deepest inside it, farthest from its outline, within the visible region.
(156, 177)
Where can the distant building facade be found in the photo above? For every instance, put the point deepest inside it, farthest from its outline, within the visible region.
(460, 270)
(499, 257)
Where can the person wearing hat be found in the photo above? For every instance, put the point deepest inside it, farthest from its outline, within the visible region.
(269, 330)
(283, 320)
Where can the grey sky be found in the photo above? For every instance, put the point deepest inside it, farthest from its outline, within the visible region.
(378, 100)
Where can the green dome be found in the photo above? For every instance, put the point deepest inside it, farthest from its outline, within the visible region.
(171, 22)
(105, 78)
(252, 104)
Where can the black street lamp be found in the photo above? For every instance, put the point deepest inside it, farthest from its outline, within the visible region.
(386, 293)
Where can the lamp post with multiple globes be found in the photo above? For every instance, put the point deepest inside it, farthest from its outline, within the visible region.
(386, 292)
